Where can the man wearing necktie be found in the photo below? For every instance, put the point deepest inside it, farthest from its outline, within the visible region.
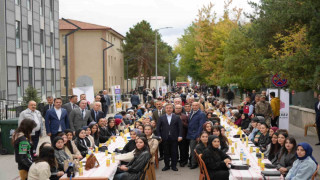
(169, 128)
(105, 102)
(155, 116)
(80, 117)
(48, 106)
(317, 110)
(96, 114)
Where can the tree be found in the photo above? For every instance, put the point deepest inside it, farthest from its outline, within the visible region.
(31, 94)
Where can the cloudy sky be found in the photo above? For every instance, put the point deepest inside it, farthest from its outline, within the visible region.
(123, 14)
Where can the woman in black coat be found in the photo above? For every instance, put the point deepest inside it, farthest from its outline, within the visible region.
(135, 168)
(203, 144)
(216, 160)
(82, 143)
(264, 139)
(223, 139)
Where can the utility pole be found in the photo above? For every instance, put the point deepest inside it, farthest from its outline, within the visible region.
(66, 54)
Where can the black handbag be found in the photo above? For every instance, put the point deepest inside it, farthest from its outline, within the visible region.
(270, 166)
(271, 173)
(239, 167)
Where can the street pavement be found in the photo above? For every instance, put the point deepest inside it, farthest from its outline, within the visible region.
(9, 168)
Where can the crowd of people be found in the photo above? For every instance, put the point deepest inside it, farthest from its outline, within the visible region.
(177, 126)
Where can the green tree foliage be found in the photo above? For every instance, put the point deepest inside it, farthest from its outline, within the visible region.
(30, 94)
(139, 48)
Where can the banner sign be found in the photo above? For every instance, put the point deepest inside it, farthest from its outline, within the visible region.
(284, 110)
(87, 90)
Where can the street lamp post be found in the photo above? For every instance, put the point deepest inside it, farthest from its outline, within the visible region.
(169, 88)
(66, 54)
(128, 72)
(103, 62)
(156, 57)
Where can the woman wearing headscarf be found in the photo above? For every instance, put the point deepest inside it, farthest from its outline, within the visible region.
(82, 143)
(216, 160)
(305, 165)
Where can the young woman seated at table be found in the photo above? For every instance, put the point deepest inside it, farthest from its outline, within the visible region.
(281, 140)
(82, 143)
(40, 169)
(287, 156)
(238, 119)
(216, 161)
(137, 124)
(135, 167)
(95, 133)
(55, 174)
(272, 130)
(207, 126)
(264, 139)
(59, 153)
(203, 143)
(273, 148)
(245, 121)
(153, 143)
(141, 128)
(223, 130)
(69, 134)
(131, 145)
(254, 128)
(305, 165)
(70, 147)
(258, 134)
(88, 136)
(223, 139)
(154, 127)
(111, 128)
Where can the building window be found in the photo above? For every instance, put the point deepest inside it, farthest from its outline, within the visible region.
(30, 37)
(42, 41)
(29, 5)
(52, 77)
(41, 7)
(30, 76)
(51, 43)
(42, 76)
(51, 8)
(19, 76)
(18, 34)
(18, 2)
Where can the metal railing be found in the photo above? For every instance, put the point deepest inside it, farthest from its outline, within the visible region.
(10, 109)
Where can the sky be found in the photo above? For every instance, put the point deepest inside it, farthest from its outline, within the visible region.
(120, 15)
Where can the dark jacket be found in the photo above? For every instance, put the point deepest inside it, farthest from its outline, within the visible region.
(214, 160)
(61, 156)
(136, 166)
(52, 122)
(200, 148)
(245, 123)
(103, 135)
(23, 152)
(195, 123)
(135, 100)
(100, 115)
(224, 146)
(174, 129)
(286, 160)
(45, 109)
(112, 131)
(81, 146)
(155, 114)
(263, 142)
(317, 111)
(130, 146)
(184, 120)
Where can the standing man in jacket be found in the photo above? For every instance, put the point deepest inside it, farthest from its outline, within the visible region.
(135, 100)
(105, 102)
(275, 106)
(80, 117)
(196, 120)
(56, 120)
(35, 115)
(48, 106)
(184, 144)
(169, 128)
(72, 104)
(96, 113)
(317, 109)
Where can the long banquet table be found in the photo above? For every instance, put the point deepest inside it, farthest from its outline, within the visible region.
(102, 172)
(254, 172)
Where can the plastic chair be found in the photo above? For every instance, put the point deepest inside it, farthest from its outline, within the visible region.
(315, 173)
(204, 168)
(143, 175)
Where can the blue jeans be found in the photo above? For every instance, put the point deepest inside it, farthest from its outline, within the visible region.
(119, 176)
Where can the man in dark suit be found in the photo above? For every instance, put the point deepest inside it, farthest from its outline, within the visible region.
(96, 114)
(56, 119)
(196, 120)
(84, 97)
(105, 102)
(103, 132)
(80, 117)
(184, 144)
(169, 128)
(135, 100)
(72, 104)
(317, 109)
(48, 106)
(155, 116)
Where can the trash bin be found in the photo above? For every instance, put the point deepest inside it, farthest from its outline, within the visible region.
(7, 129)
